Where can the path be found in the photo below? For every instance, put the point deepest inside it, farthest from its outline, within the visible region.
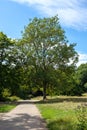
(23, 117)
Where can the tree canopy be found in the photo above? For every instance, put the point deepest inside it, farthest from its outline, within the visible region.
(49, 49)
(81, 78)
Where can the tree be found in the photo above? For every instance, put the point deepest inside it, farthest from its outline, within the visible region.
(81, 78)
(5, 47)
(10, 65)
(48, 49)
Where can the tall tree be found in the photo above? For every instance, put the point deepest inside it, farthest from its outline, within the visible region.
(48, 49)
(5, 47)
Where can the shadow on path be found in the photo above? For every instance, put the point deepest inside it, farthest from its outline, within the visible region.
(22, 121)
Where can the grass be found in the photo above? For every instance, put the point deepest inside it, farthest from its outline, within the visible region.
(6, 107)
(60, 114)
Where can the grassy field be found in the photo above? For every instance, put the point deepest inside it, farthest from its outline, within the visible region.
(6, 107)
(61, 113)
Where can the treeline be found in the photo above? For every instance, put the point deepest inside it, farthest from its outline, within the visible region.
(42, 62)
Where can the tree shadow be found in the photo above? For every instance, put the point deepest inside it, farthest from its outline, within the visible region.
(22, 122)
(61, 124)
(59, 99)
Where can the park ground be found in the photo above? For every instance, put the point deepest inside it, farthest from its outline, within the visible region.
(60, 113)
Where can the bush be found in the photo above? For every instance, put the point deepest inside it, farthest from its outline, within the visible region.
(14, 98)
(81, 113)
(5, 94)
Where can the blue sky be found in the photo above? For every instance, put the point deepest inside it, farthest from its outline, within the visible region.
(15, 14)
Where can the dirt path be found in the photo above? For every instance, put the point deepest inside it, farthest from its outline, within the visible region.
(23, 117)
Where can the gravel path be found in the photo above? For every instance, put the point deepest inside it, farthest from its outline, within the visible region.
(23, 117)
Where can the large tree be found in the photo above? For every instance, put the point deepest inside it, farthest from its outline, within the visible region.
(48, 50)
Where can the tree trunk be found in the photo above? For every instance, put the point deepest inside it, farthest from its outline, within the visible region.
(44, 90)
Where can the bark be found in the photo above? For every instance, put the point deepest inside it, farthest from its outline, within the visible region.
(44, 90)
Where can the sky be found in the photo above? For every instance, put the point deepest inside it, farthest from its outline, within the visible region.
(15, 14)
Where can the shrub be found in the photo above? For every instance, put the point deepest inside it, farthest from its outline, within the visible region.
(14, 98)
(81, 113)
(5, 94)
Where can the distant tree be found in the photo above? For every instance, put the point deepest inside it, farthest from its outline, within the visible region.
(48, 50)
(81, 79)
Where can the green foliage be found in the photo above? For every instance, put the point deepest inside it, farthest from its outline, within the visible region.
(5, 94)
(42, 60)
(24, 91)
(48, 51)
(80, 77)
(6, 64)
(81, 113)
(14, 98)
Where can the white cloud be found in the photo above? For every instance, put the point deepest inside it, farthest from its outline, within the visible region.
(82, 59)
(72, 13)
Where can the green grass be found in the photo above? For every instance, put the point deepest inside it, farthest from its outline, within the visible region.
(60, 115)
(6, 108)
